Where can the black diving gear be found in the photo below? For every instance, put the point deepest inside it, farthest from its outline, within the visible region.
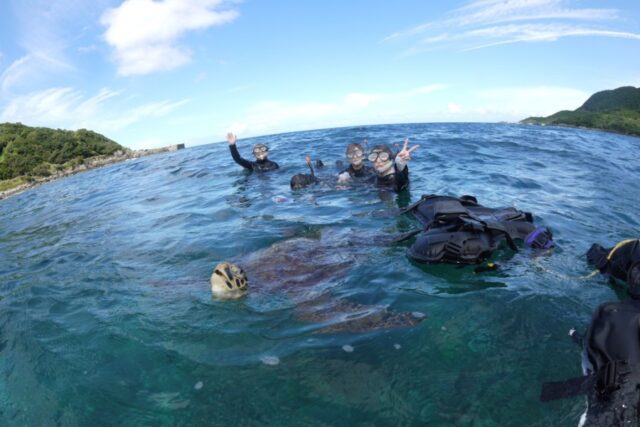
(258, 165)
(362, 172)
(459, 230)
(302, 180)
(397, 181)
(612, 367)
(618, 261)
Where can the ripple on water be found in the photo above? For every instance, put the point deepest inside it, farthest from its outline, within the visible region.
(106, 312)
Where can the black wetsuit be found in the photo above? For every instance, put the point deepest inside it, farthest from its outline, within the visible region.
(363, 172)
(258, 166)
(398, 180)
(612, 347)
(618, 263)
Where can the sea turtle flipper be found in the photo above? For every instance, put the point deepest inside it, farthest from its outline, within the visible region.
(377, 321)
(346, 316)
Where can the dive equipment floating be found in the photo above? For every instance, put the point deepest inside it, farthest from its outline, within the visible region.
(461, 231)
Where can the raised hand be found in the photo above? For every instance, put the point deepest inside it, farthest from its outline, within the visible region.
(307, 159)
(405, 153)
(231, 138)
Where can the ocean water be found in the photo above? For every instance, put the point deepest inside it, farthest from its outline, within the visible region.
(106, 317)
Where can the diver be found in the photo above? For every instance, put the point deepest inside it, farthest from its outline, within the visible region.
(357, 168)
(617, 261)
(260, 151)
(391, 170)
(610, 362)
(302, 180)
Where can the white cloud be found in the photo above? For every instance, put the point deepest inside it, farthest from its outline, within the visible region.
(271, 116)
(494, 36)
(64, 107)
(454, 108)
(144, 33)
(520, 102)
(30, 69)
(236, 89)
(485, 23)
(45, 30)
(414, 105)
(423, 90)
(88, 49)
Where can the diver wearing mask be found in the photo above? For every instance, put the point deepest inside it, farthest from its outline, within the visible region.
(303, 180)
(616, 261)
(391, 170)
(357, 168)
(260, 151)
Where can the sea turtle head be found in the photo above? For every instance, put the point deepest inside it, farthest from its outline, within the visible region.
(228, 281)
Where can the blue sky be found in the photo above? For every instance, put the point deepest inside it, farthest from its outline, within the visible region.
(151, 73)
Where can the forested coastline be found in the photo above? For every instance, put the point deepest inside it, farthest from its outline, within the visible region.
(616, 110)
(30, 156)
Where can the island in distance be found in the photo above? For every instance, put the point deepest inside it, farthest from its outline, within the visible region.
(616, 110)
(30, 156)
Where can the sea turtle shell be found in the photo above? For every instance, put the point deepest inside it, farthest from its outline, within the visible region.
(306, 269)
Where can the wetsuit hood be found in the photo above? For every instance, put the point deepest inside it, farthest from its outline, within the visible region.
(301, 180)
(353, 147)
(597, 256)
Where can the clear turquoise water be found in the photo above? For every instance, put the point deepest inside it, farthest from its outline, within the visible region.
(106, 317)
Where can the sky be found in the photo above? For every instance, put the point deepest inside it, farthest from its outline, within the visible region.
(150, 73)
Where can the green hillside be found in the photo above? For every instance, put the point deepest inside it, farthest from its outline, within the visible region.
(37, 152)
(616, 110)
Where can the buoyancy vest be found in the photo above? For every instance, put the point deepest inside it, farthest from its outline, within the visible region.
(459, 230)
(612, 350)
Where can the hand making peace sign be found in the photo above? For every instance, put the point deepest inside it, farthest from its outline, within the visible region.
(405, 154)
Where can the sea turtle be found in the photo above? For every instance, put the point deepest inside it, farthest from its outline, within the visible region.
(304, 269)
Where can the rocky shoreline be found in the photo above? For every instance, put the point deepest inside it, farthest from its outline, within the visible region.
(88, 164)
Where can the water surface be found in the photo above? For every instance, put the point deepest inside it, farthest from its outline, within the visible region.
(106, 316)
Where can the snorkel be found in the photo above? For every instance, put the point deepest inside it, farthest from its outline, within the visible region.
(308, 160)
